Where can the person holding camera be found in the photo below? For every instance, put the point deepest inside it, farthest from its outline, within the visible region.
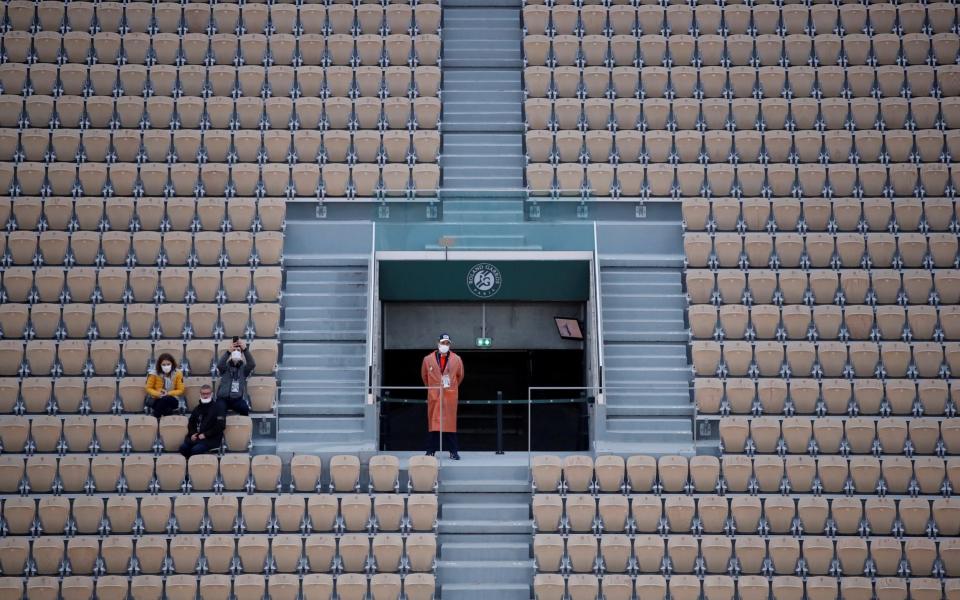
(235, 366)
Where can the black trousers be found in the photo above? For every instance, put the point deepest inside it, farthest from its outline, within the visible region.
(237, 405)
(165, 406)
(449, 441)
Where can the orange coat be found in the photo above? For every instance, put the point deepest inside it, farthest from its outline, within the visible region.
(432, 378)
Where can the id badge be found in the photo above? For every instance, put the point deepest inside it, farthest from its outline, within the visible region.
(235, 386)
(445, 381)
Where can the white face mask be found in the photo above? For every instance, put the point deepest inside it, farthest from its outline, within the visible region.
(443, 348)
(166, 368)
(236, 356)
(206, 400)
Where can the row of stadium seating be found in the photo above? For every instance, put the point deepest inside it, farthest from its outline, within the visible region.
(222, 513)
(218, 179)
(197, 17)
(826, 396)
(220, 553)
(837, 120)
(95, 395)
(750, 555)
(43, 435)
(691, 180)
(826, 321)
(177, 248)
(103, 357)
(141, 284)
(136, 214)
(819, 286)
(244, 51)
(139, 320)
(134, 86)
(580, 586)
(347, 586)
(630, 18)
(217, 114)
(276, 146)
(745, 515)
(826, 474)
(832, 214)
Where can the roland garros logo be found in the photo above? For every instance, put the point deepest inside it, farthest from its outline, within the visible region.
(483, 280)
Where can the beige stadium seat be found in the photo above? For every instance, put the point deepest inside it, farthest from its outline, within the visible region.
(344, 473)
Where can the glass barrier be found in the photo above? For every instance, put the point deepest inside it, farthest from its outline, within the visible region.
(594, 398)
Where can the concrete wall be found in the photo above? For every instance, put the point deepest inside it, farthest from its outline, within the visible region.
(511, 325)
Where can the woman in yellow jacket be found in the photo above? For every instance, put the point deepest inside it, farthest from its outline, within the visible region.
(164, 387)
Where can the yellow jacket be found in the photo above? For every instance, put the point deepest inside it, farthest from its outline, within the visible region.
(154, 385)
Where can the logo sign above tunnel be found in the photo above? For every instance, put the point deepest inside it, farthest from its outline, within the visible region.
(484, 280)
(518, 280)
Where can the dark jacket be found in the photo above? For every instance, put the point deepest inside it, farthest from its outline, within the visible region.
(210, 419)
(229, 372)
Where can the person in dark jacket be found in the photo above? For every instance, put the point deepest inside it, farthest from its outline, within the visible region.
(235, 366)
(206, 424)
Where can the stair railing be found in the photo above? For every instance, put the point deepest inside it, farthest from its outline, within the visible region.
(598, 315)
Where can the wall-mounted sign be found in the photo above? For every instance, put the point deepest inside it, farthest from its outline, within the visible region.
(484, 280)
(517, 280)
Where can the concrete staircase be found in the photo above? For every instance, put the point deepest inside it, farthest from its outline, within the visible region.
(324, 333)
(485, 528)
(646, 373)
(482, 156)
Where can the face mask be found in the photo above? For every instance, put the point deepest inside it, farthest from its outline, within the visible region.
(205, 400)
(443, 348)
(236, 356)
(166, 368)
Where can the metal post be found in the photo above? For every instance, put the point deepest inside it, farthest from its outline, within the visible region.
(499, 422)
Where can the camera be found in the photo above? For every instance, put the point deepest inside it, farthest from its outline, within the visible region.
(236, 339)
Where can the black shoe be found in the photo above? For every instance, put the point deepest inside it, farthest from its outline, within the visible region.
(430, 453)
(454, 456)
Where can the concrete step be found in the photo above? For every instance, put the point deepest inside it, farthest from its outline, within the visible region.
(322, 334)
(665, 426)
(505, 160)
(502, 510)
(310, 275)
(505, 571)
(305, 323)
(490, 485)
(349, 313)
(645, 349)
(448, 4)
(463, 126)
(486, 591)
(494, 525)
(290, 407)
(464, 185)
(481, 216)
(619, 408)
(484, 76)
(485, 551)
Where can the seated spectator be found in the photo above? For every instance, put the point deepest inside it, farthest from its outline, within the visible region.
(164, 387)
(235, 366)
(206, 425)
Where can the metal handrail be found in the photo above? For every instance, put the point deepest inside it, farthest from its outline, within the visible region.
(598, 304)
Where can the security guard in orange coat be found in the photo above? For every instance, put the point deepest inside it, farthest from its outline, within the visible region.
(442, 372)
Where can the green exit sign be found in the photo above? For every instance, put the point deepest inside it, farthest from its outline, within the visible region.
(483, 342)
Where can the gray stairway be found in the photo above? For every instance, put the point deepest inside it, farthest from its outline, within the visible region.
(485, 528)
(323, 373)
(646, 373)
(482, 155)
